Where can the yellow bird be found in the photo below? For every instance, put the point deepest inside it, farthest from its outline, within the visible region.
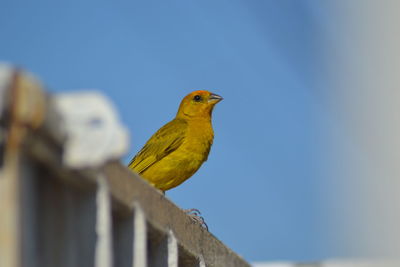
(178, 149)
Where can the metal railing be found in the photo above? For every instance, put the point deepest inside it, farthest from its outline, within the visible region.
(54, 213)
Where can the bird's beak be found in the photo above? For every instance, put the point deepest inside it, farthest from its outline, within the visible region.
(215, 98)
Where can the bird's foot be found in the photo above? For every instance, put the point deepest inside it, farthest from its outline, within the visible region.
(195, 215)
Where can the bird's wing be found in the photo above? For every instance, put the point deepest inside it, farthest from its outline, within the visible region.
(166, 140)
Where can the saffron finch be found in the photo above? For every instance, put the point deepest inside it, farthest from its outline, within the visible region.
(178, 149)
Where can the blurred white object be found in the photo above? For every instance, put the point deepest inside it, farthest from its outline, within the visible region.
(363, 64)
(331, 263)
(94, 133)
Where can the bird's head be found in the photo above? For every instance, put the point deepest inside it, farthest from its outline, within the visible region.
(198, 104)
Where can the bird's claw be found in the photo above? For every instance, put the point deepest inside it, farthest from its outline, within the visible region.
(195, 215)
(193, 211)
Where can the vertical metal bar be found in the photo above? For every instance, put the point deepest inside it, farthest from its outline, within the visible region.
(9, 219)
(201, 261)
(139, 237)
(103, 255)
(172, 250)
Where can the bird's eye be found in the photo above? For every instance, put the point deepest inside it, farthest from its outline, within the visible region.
(197, 98)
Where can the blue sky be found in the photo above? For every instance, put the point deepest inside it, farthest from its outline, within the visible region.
(260, 190)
